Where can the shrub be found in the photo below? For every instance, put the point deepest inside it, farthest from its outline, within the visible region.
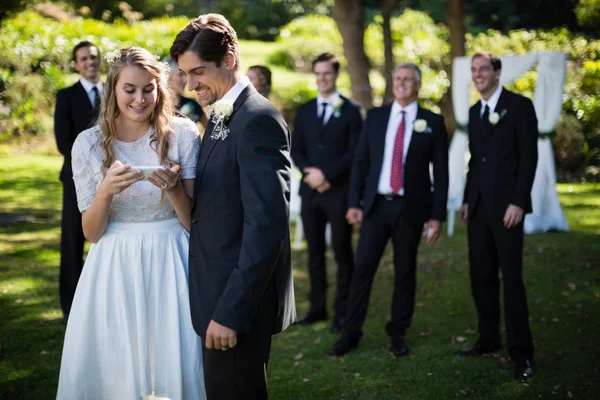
(291, 98)
(304, 39)
(569, 143)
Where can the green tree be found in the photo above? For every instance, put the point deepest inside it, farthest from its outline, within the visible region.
(588, 13)
(8, 6)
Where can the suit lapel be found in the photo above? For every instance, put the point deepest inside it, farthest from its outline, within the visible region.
(82, 97)
(413, 137)
(209, 144)
(500, 107)
(333, 119)
(380, 133)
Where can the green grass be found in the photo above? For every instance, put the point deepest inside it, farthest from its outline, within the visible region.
(561, 274)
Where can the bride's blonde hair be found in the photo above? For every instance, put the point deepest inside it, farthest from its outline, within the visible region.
(164, 109)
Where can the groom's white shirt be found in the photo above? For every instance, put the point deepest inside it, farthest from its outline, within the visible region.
(235, 91)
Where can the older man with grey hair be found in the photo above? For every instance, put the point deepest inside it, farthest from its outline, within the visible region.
(392, 196)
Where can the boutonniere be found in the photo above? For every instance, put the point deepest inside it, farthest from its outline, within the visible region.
(337, 106)
(220, 113)
(420, 126)
(495, 117)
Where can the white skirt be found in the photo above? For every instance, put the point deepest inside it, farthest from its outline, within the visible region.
(129, 333)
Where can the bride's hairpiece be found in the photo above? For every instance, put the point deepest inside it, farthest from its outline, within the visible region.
(113, 57)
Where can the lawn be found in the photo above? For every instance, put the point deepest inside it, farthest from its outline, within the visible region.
(561, 273)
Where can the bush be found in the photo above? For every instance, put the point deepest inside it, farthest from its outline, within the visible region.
(304, 39)
(591, 174)
(569, 143)
(291, 98)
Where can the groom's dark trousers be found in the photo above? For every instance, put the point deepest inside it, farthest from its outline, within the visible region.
(73, 114)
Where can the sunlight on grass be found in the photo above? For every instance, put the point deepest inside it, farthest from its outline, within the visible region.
(560, 270)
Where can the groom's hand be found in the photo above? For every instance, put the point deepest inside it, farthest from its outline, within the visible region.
(220, 337)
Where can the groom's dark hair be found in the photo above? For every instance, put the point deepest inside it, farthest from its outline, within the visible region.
(210, 36)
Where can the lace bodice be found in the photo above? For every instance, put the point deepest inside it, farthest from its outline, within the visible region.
(141, 201)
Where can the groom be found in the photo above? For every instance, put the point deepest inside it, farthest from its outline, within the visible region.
(240, 276)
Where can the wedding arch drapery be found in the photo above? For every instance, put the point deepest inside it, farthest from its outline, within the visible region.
(547, 100)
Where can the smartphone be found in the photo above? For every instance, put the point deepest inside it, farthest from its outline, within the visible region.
(146, 170)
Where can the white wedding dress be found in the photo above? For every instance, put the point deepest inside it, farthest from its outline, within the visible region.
(129, 333)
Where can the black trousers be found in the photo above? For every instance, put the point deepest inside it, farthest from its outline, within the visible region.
(493, 247)
(317, 210)
(388, 219)
(71, 247)
(241, 372)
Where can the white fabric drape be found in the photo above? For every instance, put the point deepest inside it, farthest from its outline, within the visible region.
(295, 207)
(551, 71)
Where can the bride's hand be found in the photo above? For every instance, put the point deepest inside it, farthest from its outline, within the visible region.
(119, 177)
(165, 179)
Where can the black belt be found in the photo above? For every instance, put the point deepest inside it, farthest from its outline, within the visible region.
(391, 196)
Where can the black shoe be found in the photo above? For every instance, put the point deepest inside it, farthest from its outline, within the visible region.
(347, 343)
(524, 371)
(478, 349)
(337, 326)
(312, 317)
(399, 347)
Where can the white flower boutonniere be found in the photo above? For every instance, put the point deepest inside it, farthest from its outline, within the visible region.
(420, 126)
(337, 106)
(221, 111)
(495, 117)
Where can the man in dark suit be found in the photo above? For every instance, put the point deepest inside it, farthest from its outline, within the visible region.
(241, 288)
(503, 137)
(326, 131)
(76, 110)
(391, 193)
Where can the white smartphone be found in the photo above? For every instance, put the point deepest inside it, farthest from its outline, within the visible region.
(146, 170)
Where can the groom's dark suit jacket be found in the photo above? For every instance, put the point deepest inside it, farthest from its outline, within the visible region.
(424, 199)
(503, 157)
(240, 240)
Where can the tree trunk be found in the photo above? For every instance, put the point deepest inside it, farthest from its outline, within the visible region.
(387, 9)
(349, 16)
(455, 15)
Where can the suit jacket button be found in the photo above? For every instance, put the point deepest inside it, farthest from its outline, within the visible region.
(320, 146)
(482, 159)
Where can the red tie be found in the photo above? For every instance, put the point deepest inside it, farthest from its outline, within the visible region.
(396, 178)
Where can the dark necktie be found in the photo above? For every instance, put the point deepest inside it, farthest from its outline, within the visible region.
(97, 99)
(323, 112)
(486, 113)
(396, 175)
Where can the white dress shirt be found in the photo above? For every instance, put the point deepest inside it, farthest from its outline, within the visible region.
(491, 102)
(385, 186)
(237, 89)
(89, 88)
(330, 100)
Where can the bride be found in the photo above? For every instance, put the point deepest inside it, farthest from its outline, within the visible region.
(130, 334)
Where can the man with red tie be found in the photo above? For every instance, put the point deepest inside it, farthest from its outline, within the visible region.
(393, 196)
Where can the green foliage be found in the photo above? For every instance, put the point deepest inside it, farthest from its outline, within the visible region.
(304, 39)
(293, 97)
(588, 13)
(418, 40)
(30, 39)
(569, 143)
